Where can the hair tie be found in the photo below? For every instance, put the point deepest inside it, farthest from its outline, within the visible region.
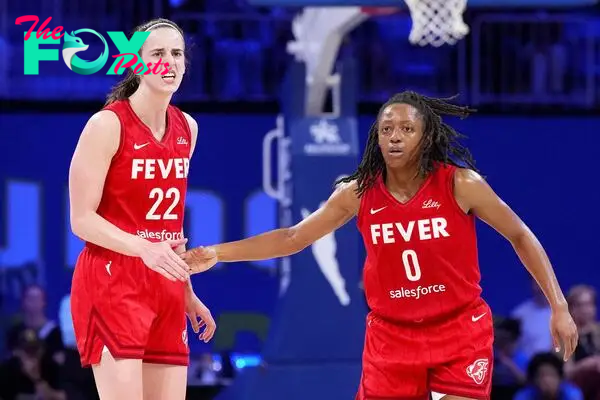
(167, 24)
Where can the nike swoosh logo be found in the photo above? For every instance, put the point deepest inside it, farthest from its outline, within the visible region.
(139, 146)
(108, 268)
(475, 319)
(373, 212)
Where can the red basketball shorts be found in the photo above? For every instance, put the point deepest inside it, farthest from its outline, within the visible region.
(120, 305)
(453, 357)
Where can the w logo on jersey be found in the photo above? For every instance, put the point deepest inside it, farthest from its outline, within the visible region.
(184, 336)
(478, 370)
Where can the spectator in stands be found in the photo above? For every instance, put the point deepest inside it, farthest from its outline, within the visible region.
(534, 314)
(78, 382)
(546, 380)
(30, 373)
(227, 373)
(206, 371)
(33, 316)
(510, 364)
(584, 367)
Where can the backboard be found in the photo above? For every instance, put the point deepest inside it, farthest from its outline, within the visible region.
(321, 26)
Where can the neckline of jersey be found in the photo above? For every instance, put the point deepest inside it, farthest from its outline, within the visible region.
(413, 198)
(147, 128)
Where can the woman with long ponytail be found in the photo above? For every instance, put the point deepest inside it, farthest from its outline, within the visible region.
(127, 185)
(124, 89)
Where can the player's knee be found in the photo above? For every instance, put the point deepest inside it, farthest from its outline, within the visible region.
(118, 378)
(127, 374)
(164, 381)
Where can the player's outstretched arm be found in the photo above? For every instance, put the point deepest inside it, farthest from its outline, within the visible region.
(341, 206)
(474, 195)
(91, 160)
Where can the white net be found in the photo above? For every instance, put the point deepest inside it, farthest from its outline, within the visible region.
(437, 22)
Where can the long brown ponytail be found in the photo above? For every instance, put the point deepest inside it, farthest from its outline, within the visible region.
(124, 88)
(128, 85)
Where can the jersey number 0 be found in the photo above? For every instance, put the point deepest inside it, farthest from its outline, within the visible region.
(159, 195)
(411, 265)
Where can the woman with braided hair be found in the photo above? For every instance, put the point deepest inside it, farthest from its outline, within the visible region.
(416, 195)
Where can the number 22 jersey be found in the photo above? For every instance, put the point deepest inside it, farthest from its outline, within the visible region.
(422, 261)
(145, 188)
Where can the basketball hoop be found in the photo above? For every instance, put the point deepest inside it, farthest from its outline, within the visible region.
(437, 22)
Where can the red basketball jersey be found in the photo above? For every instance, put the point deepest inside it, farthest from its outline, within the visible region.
(145, 188)
(422, 262)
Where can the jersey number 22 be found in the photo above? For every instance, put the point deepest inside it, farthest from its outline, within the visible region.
(159, 195)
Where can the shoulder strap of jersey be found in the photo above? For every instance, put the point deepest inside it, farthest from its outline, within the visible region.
(447, 176)
(119, 108)
(178, 114)
(367, 198)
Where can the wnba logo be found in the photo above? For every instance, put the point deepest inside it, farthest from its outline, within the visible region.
(73, 44)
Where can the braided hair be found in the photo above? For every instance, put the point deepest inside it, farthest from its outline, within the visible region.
(440, 143)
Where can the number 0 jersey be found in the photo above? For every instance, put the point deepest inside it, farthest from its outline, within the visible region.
(422, 263)
(145, 188)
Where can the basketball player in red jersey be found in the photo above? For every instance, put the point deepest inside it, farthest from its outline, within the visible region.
(128, 179)
(429, 330)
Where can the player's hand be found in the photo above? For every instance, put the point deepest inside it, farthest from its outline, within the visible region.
(200, 259)
(200, 317)
(161, 257)
(564, 332)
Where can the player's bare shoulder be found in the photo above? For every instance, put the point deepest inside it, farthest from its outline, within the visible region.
(466, 183)
(192, 123)
(105, 120)
(346, 196)
(193, 130)
(466, 176)
(102, 133)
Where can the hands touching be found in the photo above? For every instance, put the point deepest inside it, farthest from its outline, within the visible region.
(200, 259)
(162, 258)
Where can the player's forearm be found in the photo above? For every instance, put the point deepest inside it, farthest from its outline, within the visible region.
(273, 244)
(534, 258)
(94, 229)
(180, 250)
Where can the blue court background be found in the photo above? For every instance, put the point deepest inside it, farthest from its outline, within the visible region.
(532, 67)
(544, 167)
